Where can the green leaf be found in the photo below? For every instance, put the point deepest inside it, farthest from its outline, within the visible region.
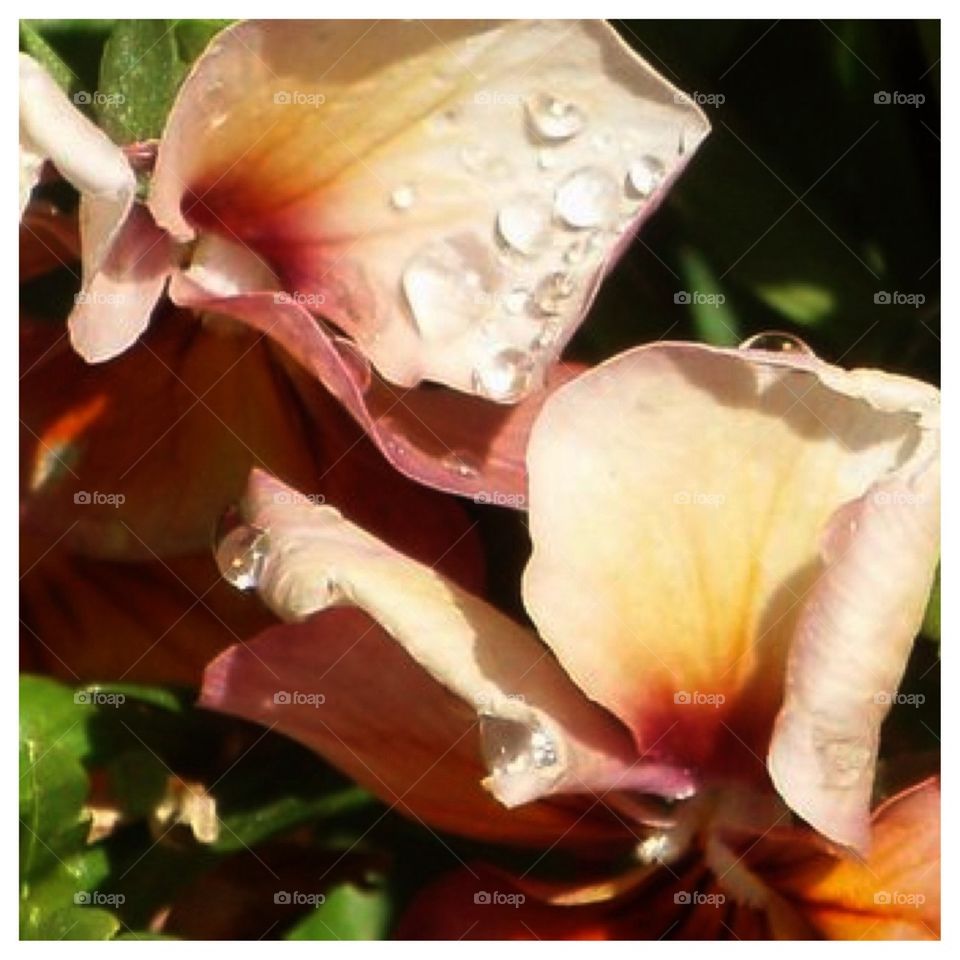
(804, 303)
(59, 874)
(33, 43)
(348, 912)
(713, 319)
(193, 36)
(140, 74)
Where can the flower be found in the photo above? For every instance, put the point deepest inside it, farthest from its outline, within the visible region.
(444, 198)
(732, 552)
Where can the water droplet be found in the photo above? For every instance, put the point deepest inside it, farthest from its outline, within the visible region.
(553, 292)
(515, 749)
(482, 161)
(843, 760)
(524, 225)
(240, 556)
(505, 375)
(644, 176)
(582, 248)
(661, 847)
(515, 300)
(553, 119)
(449, 285)
(774, 341)
(549, 334)
(462, 464)
(403, 197)
(587, 198)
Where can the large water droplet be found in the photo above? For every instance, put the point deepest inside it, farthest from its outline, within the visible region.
(505, 375)
(774, 341)
(403, 197)
(553, 119)
(240, 556)
(449, 285)
(644, 176)
(553, 291)
(514, 749)
(524, 225)
(588, 197)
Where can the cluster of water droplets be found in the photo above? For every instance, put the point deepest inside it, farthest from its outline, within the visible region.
(507, 297)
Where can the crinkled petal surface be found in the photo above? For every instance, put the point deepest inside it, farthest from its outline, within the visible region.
(449, 193)
(697, 514)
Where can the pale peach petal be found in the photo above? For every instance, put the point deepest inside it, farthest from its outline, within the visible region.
(858, 624)
(679, 496)
(51, 128)
(540, 735)
(374, 165)
(115, 305)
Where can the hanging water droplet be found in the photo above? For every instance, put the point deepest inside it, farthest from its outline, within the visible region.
(403, 197)
(644, 176)
(774, 341)
(505, 375)
(553, 119)
(449, 285)
(515, 749)
(240, 556)
(587, 198)
(524, 225)
(553, 291)
(843, 760)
